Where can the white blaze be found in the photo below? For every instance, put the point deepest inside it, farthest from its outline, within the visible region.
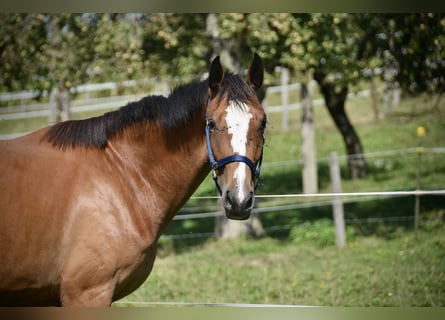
(237, 119)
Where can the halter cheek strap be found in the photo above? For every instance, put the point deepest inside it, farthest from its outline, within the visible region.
(256, 170)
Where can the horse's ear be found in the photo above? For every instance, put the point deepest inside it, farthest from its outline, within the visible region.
(256, 72)
(216, 75)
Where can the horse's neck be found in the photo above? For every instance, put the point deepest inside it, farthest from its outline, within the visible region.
(172, 163)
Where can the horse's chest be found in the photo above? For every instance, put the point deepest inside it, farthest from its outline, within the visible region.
(131, 278)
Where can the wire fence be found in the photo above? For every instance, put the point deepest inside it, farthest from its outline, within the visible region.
(365, 196)
(201, 212)
(300, 201)
(203, 304)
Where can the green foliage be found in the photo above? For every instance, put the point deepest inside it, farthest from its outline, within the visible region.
(38, 49)
(319, 233)
(175, 44)
(433, 221)
(419, 51)
(117, 49)
(21, 45)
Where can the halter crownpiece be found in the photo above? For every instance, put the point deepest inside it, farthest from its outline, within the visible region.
(216, 164)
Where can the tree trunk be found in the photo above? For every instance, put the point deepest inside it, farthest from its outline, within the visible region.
(228, 50)
(226, 228)
(308, 149)
(335, 97)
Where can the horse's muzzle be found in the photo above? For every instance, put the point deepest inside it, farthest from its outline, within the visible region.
(236, 207)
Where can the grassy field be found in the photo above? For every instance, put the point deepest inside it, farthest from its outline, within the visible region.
(372, 271)
(384, 263)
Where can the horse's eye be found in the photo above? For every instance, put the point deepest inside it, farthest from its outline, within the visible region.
(263, 124)
(211, 124)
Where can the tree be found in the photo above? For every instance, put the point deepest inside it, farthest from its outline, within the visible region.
(325, 43)
(415, 41)
(175, 44)
(21, 49)
(118, 48)
(308, 149)
(329, 43)
(38, 49)
(227, 49)
(340, 47)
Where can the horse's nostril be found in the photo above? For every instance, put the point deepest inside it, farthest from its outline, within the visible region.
(250, 201)
(228, 201)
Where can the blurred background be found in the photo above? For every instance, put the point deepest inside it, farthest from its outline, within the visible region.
(361, 94)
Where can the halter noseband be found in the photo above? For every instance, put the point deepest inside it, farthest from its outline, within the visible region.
(216, 164)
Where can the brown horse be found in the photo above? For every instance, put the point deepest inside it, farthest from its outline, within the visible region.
(83, 203)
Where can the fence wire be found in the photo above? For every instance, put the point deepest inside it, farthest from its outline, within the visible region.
(354, 197)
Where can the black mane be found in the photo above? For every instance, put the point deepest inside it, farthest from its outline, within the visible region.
(171, 112)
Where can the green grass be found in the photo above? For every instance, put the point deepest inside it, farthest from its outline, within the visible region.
(404, 271)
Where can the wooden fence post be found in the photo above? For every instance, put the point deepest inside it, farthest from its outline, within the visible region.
(420, 132)
(337, 204)
(285, 97)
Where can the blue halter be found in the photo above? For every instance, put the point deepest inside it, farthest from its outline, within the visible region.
(256, 170)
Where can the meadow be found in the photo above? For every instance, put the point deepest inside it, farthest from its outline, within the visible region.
(371, 271)
(385, 262)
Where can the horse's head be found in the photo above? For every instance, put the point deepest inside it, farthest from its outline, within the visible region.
(235, 135)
